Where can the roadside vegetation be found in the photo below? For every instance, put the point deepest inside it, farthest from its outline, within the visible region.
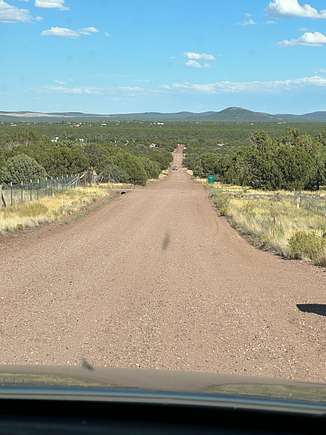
(33, 153)
(287, 223)
(272, 191)
(51, 208)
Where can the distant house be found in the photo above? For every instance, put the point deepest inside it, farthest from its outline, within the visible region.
(81, 140)
(153, 145)
(55, 139)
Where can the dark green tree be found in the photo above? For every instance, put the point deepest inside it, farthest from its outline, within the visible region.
(21, 168)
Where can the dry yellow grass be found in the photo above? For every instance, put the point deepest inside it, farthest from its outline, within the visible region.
(273, 222)
(164, 173)
(51, 208)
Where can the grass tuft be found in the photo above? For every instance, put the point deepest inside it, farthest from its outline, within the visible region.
(307, 245)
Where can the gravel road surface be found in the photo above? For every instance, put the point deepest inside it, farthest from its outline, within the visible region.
(156, 279)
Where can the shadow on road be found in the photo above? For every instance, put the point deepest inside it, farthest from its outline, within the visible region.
(166, 242)
(319, 309)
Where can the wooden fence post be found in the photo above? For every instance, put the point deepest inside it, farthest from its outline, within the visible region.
(11, 200)
(2, 197)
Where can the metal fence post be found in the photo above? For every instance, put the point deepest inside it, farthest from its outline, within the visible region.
(30, 190)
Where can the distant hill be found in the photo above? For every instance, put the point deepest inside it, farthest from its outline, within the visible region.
(315, 116)
(237, 114)
(230, 114)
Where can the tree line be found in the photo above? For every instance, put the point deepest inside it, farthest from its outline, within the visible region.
(35, 159)
(274, 158)
(294, 161)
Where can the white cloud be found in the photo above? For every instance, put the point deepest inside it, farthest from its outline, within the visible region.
(64, 32)
(88, 30)
(247, 20)
(195, 64)
(256, 86)
(292, 8)
(61, 32)
(310, 39)
(253, 86)
(51, 4)
(12, 14)
(199, 56)
(74, 90)
(129, 88)
(198, 60)
(60, 87)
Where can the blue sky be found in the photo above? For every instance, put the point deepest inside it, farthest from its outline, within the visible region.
(108, 56)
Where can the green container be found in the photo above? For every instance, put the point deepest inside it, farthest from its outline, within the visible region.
(211, 179)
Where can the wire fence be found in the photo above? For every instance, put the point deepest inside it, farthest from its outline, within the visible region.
(13, 194)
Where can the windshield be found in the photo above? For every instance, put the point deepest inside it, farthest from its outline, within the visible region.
(163, 186)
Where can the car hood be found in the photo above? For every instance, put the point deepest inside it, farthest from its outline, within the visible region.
(160, 386)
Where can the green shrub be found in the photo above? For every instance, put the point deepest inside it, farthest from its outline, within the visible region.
(160, 156)
(132, 165)
(307, 245)
(115, 174)
(152, 169)
(21, 168)
(206, 164)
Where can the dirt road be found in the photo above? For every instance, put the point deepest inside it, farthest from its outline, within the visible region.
(156, 279)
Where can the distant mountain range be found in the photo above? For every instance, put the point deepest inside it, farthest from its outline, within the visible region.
(231, 114)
